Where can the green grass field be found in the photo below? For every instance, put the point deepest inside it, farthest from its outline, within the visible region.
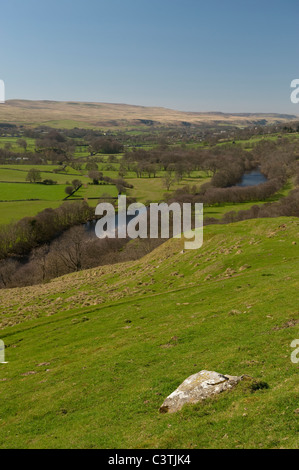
(145, 189)
(11, 189)
(14, 147)
(16, 208)
(91, 356)
(23, 191)
(152, 189)
(18, 173)
(17, 199)
(14, 211)
(95, 191)
(17, 193)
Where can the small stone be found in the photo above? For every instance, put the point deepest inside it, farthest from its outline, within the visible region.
(235, 312)
(30, 372)
(242, 268)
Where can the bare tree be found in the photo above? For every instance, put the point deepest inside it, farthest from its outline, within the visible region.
(168, 181)
(8, 269)
(70, 248)
(39, 256)
(95, 176)
(22, 143)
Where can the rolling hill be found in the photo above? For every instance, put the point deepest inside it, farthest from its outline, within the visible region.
(80, 114)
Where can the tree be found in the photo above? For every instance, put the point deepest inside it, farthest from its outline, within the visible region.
(71, 247)
(33, 176)
(69, 190)
(91, 166)
(76, 165)
(95, 176)
(150, 169)
(168, 180)
(122, 170)
(39, 256)
(210, 165)
(8, 270)
(22, 143)
(76, 184)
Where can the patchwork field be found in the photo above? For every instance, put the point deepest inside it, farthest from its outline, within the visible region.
(18, 173)
(19, 198)
(35, 197)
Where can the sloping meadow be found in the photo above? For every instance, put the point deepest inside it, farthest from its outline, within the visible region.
(92, 355)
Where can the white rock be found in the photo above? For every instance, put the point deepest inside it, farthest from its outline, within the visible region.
(198, 387)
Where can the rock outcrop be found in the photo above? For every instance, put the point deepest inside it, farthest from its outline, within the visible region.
(198, 387)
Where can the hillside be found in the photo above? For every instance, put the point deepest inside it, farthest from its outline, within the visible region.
(80, 114)
(91, 356)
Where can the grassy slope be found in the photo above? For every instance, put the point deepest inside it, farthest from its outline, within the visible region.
(93, 355)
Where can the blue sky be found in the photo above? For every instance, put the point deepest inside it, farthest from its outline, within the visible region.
(213, 55)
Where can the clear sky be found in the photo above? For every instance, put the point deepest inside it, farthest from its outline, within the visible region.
(212, 55)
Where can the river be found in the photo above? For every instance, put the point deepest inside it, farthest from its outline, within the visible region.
(252, 178)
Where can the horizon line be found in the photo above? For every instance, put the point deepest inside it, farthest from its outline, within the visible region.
(155, 106)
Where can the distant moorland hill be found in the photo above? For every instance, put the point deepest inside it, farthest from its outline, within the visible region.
(80, 114)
